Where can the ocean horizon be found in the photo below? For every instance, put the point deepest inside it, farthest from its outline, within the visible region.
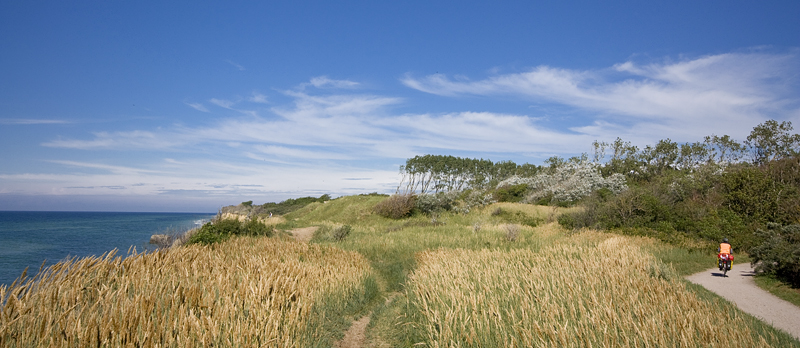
(29, 238)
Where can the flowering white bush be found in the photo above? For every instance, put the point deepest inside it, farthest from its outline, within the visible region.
(568, 183)
(430, 203)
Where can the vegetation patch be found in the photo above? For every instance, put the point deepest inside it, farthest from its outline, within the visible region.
(516, 216)
(264, 210)
(335, 233)
(779, 254)
(220, 230)
(396, 207)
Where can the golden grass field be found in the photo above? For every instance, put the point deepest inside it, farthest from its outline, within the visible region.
(569, 295)
(247, 292)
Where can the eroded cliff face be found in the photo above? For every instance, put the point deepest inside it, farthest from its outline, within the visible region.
(244, 216)
(232, 216)
(243, 213)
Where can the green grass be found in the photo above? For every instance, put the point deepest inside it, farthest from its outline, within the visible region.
(779, 288)
(685, 262)
(391, 245)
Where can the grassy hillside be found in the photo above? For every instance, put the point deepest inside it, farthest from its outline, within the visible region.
(505, 274)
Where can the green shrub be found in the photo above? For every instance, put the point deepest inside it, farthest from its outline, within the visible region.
(396, 207)
(779, 254)
(207, 235)
(433, 203)
(511, 193)
(332, 233)
(221, 230)
(517, 217)
(374, 194)
(762, 195)
(568, 221)
(341, 232)
(254, 227)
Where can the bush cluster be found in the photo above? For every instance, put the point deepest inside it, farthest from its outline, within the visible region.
(511, 193)
(563, 185)
(396, 206)
(436, 202)
(220, 230)
(332, 233)
(779, 254)
(512, 232)
(517, 217)
(373, 194)
(711, 203)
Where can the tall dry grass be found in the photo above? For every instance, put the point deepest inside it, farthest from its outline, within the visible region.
(604, 293)
(245, 292)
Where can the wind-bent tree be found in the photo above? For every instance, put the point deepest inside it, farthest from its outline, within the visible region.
(772, 141)
(436, 173)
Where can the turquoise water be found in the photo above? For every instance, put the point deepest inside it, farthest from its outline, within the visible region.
(29, 238)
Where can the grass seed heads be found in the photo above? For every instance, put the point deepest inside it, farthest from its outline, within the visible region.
(567, 295)
(247, 291)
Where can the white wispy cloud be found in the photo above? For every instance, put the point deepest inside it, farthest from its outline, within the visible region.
(326, 82)
(30, 121)
(120, 140)
(106, 167)
(295, 153)
(722, 92)
(236, 65)
(258, 98)
(227, 104)
(197, 106)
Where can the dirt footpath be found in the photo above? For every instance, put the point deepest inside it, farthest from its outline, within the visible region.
(304, 234)
(355, 337)
(739, 288)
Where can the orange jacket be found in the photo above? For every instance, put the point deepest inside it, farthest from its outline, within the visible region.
(724, 248)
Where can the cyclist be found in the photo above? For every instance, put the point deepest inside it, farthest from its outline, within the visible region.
(725, 254)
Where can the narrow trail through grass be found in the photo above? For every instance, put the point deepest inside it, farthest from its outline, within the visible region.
(303, 234)
(355, 336)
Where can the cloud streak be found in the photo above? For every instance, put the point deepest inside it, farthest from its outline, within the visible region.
(30, 121)
(235, 65)
(324, 82)
(198, 107)
(712, 92)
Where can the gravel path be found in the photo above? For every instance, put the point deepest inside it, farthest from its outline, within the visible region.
(739, 288)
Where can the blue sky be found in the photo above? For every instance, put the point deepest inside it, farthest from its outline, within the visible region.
(190, 106)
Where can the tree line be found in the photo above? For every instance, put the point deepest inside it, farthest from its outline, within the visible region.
(437, 173)
(768, 141)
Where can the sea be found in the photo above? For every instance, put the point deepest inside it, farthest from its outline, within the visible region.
(27, 238)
